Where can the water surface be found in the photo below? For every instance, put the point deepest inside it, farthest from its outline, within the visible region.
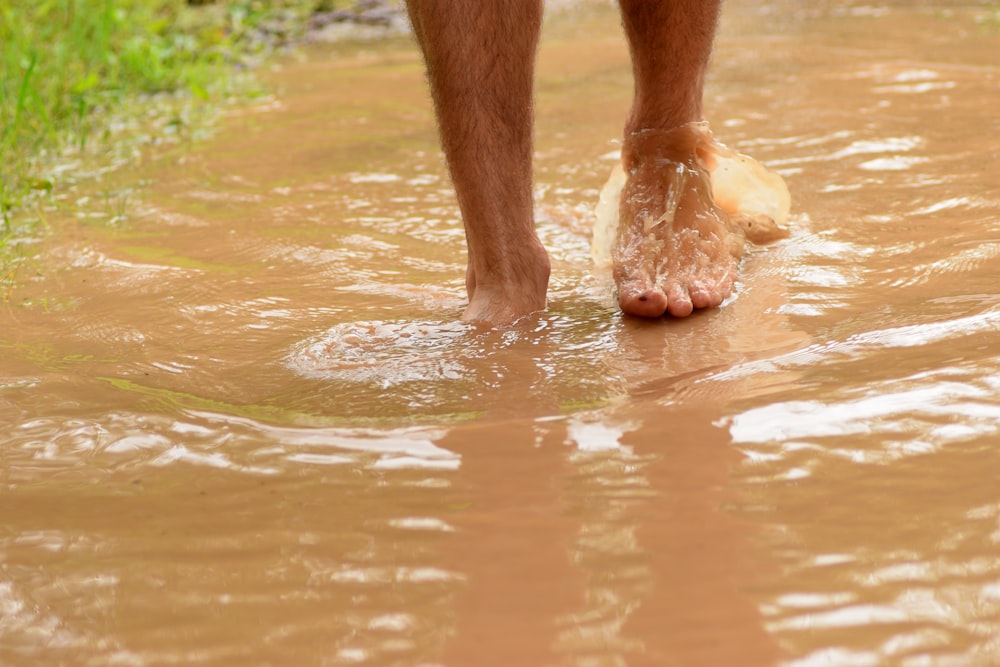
(245, 427)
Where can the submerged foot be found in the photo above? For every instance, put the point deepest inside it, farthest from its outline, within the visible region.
(675, 250)
(499, 296)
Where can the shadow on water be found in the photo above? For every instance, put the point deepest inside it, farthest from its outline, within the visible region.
(246, 425)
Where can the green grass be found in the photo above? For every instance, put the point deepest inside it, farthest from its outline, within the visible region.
(82, 79)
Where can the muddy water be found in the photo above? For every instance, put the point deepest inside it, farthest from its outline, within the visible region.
(243, 427)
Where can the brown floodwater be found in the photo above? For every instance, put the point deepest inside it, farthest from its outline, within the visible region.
(244, 426)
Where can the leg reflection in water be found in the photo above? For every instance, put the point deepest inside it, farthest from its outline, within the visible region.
(675, 250)
(619, 554)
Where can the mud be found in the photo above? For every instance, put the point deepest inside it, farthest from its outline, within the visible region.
(243, 426)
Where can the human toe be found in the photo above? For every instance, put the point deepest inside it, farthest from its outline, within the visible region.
(648, 302)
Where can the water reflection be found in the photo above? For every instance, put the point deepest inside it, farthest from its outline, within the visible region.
(606, 488)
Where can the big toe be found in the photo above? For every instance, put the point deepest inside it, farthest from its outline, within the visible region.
(648, 302)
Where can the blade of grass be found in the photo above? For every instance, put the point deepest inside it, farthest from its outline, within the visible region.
(22, 96)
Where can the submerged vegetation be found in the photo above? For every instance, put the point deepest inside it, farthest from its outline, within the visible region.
(95, 79)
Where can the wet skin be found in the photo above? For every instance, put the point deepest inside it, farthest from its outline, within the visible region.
(480, 63)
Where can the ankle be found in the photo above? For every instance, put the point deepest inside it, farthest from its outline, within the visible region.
(522, 265)
(684, 144)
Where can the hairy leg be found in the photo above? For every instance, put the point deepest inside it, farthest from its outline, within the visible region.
(480, 61)
(675, 250)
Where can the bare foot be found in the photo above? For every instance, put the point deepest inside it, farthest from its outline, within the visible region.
(499, 296)
(675, 249)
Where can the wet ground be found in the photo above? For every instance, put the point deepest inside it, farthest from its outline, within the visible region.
(244, 427)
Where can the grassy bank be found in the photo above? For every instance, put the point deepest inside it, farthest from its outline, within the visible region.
(84, 82)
